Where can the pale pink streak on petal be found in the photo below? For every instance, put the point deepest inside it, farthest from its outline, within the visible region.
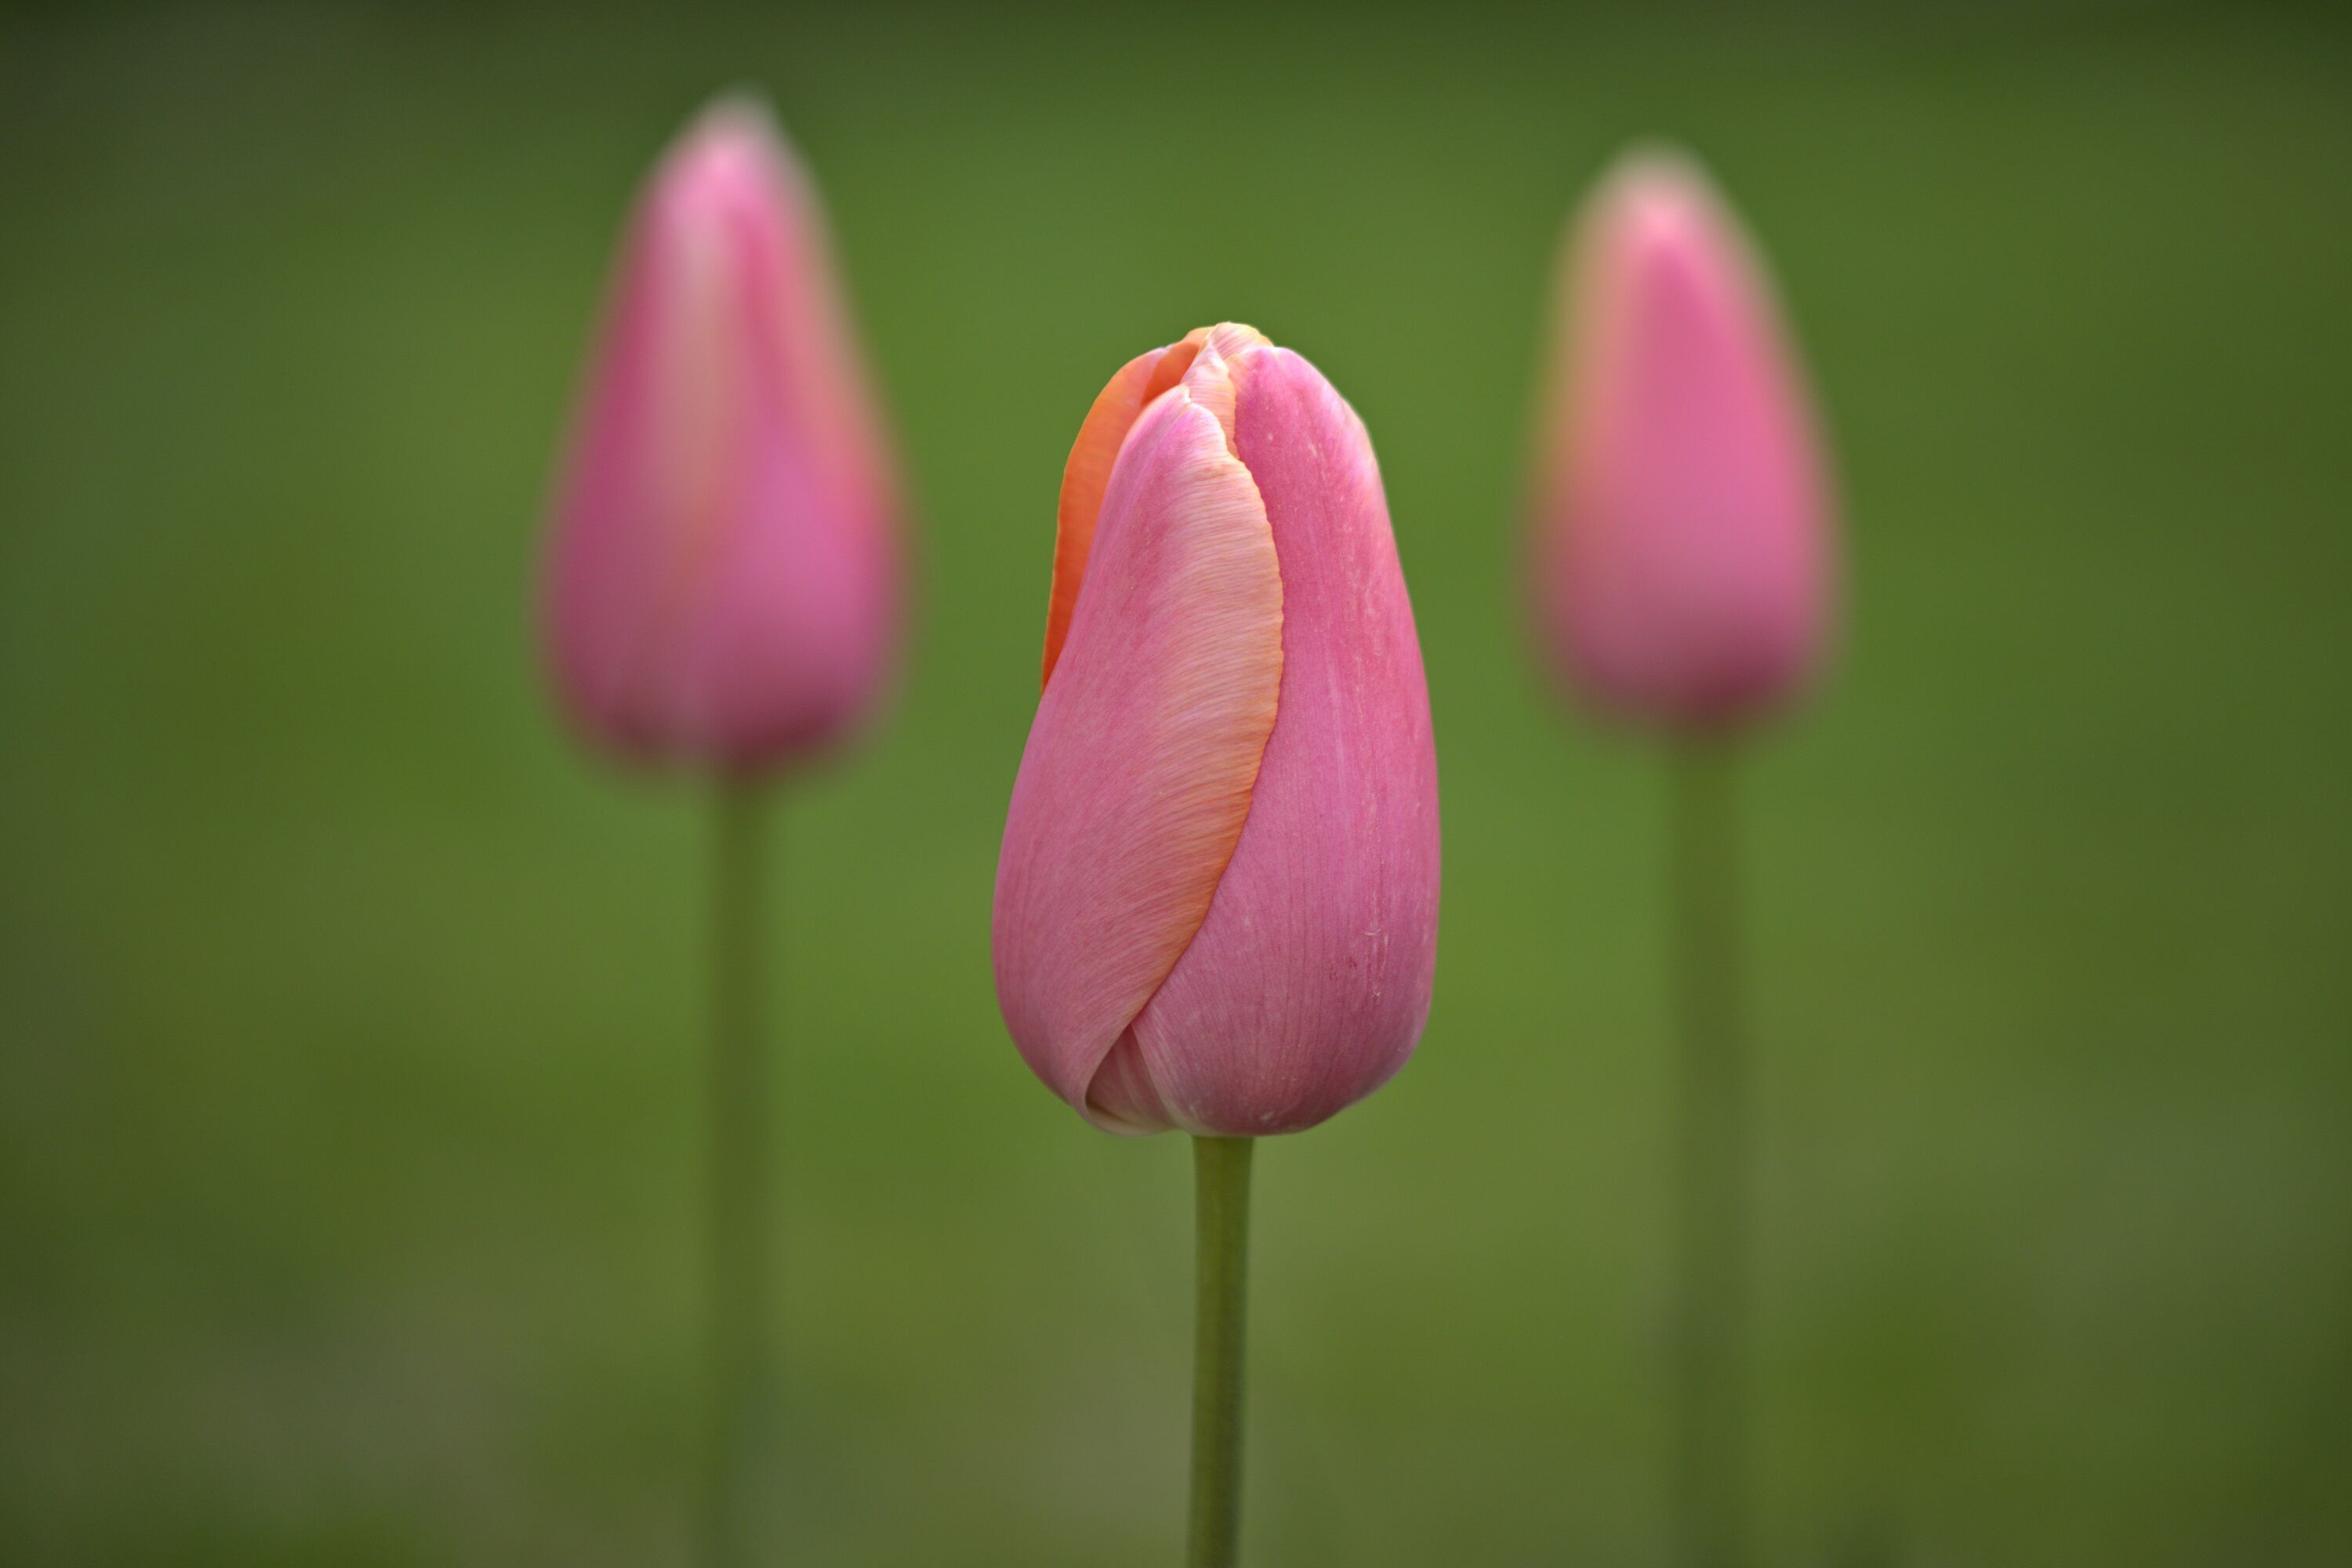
(799, 613)
(617, 573)
(1307, 986)
(1138, 773)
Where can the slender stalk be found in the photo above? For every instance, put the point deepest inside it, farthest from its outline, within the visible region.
(1221, 1177)
(1711, 1136)
(739, 1178)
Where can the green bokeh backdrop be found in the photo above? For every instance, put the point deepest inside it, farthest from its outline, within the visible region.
(349, 1050)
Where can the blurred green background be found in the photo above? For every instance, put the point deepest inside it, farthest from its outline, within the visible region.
(348, 1020)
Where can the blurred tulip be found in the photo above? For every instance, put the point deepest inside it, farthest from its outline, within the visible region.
(1682, 536)
(1216, 907)
(721, 578)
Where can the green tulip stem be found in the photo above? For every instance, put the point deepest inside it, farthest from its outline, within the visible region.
(1711, 1152)
(1220, 1180)
(739, 1177)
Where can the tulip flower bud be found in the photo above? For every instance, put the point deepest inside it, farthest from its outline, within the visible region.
(1682, 537)
(1216, 907)
(721, 585)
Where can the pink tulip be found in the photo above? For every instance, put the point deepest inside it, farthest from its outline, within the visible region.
(722, 573)
(1682, 536)
(1216, 908)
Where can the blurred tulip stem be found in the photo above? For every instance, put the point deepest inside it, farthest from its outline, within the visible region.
(739, 1171)
(1220, 1183)
(1711, 1138)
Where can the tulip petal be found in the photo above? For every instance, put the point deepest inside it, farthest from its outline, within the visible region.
(1084, 477)
(1685, 568)
(1137, 774)
(1307, 986)
(1087, 473)
(721, 577)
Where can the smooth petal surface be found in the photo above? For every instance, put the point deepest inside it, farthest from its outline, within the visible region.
(721, 579)
(1139, 770)
(1217, 904)
(1307, 986)
(1683, 551)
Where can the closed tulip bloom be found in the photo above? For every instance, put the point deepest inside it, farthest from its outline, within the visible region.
(1683, 535)
(1216, 907)
(722, 580)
